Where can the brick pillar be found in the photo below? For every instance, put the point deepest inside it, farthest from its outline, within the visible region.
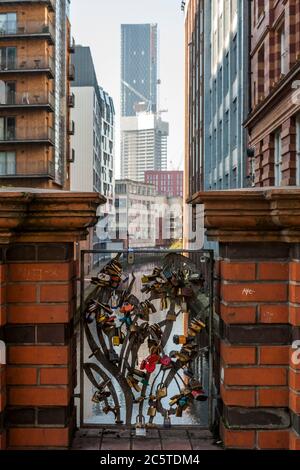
(294, 372)
(2, 354)
(288, 137)
(259, 244)
(40, 301)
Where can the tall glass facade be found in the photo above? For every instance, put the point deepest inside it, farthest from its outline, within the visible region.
(139, 71)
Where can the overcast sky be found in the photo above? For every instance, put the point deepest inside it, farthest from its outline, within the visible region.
(96, 23)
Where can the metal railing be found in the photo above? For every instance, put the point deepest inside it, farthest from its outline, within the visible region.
(29, 170)
(71, 72)
(32, 134)
(30, 63)
(13, 28)
(71, 100)
(27, 99)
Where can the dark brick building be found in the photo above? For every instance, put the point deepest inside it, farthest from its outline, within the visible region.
(168, 183)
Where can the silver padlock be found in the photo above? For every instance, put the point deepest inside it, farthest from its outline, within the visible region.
(140, 426)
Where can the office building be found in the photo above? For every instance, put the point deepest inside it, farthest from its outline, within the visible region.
(139, 67)
(35, 99)
(216, 94)
(135, 214)
(274, 121)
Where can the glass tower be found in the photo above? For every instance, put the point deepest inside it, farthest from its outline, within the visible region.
(139, 67)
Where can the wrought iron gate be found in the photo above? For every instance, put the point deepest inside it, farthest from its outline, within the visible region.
(147, 338)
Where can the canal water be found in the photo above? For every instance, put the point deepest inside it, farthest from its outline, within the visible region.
(196, 414)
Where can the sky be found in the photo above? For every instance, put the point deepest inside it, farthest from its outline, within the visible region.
(96, 23)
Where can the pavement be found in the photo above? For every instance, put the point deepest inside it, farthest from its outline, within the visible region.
(156, 439)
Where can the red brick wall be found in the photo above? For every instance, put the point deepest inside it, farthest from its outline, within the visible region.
(40, 301)
(2, 366)
(260, 387)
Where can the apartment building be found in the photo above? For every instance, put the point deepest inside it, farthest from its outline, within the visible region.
(274, 121)
(35, 99)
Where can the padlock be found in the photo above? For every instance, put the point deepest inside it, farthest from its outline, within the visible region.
(152, 411)
(174, 400)
(101, 318)
(167, 421)
(134, 328)
(113, 356)
(140, 426)
(188, 372)
(161, 391)
(165, 360)
(171, 316)
(191, 332)
(143, 364)
(116, 340)
(183, 401)
(199, 396)
(179, 339)
(150, 367)
(163, 303)
(179, 411)
(145, 279)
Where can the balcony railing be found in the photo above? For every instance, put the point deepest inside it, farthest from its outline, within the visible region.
(72, 45)
(28, 64)
(71, 100)
(71, 128)
(27, 100)
(71, 72)
(49, 3)
(31, 135)
(12, 29)
(39, 169)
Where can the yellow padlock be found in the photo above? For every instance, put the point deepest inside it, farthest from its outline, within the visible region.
(116, 341)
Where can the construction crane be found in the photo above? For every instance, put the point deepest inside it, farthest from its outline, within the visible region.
(137, 93)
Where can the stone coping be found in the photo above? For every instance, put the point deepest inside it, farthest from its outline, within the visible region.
(38, 215)
(252, 214)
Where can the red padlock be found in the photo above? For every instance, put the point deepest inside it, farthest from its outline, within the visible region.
(153, 359)
(150, 367)
(143, 364)
(165, 360)
(126, 308)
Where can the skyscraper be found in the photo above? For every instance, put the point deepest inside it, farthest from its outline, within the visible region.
(139, 67)
(143, 133)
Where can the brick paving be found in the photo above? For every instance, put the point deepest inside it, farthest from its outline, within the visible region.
(156, 439)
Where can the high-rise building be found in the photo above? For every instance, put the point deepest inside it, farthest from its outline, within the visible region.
(94, 121)
(143, 145)
(139, 62)
(217, 98)
(274, 120)
(167, 183)
(35, 74)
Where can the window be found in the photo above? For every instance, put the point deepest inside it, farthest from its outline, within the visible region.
(278, 158)
(7, 128)
(261, 73)
(234, 124)
(7, 92)
(8, 23)
(260, 8)
(7, 163)
(8, 58)
(283, 51)
(298, 151)
(234, 59)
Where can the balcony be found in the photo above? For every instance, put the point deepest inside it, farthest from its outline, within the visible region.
(71, 72)
(26, 100)
(72, 46)
(71, 101)
(28, 65)
(49, 3)
(33, 135)
(40, 169)
(71, 129)
(27, 29)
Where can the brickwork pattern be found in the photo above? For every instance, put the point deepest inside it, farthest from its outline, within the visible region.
(260, 318)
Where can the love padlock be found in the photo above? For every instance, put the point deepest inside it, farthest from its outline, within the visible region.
(161, 391)
(140, 426)
(179, 339)
(152, 411)
(165, 360)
